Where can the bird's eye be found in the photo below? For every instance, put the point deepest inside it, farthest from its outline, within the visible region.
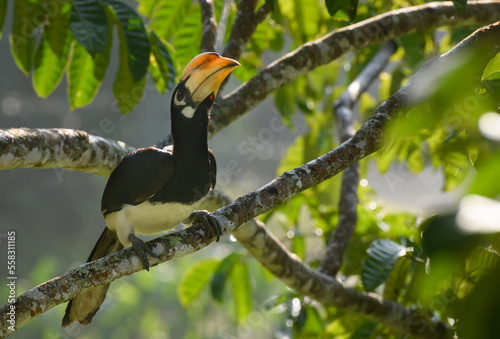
(181, 94)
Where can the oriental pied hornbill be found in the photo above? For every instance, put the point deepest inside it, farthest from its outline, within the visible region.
(153, 190)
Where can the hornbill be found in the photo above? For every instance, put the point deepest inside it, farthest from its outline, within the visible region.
(152, 190)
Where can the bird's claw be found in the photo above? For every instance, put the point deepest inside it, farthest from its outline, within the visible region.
(208, 221)
(141, 248)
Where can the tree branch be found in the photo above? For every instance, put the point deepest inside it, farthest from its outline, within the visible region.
(244, 26)
(209, 23)
(59, 148)
(293, 272)
(320, 52)
(342, 110)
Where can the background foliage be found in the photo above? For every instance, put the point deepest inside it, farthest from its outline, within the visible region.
(431, 263)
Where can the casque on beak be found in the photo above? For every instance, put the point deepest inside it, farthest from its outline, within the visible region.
(205, 73)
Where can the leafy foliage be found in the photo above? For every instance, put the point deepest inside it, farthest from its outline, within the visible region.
(83, 50)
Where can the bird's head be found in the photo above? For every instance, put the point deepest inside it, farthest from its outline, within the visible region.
(200, 80)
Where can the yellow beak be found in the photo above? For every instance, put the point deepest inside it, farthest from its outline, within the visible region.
(205, 73)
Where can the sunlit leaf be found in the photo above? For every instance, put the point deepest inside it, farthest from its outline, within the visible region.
(136, 38)
(89, 25)
(302, 18)
(147, 7)
(492, 70)
(27, 17)
(52, 53)
(195, 279)
(186, 38)
(485, 182)
(85, 74)
(166, 17)
(242, 291)
(379, 262)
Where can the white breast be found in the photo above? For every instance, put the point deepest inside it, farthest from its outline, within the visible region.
(148, 218)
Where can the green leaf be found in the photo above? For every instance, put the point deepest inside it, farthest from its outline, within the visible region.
(492, 70)
(460, 5)
(27, 17)
(127, 91)
(311, 324)
(302, 18)
(381, 258)
(52, 53)
(3, 14)
(334, 5)
(241, 291)
(136, 38)
(146, 7)
(485, 182)
(89, 25)
(298, 244)
(480, 262)
(195, 279)
(166, 17)
(364, 331)
(85, 74)
(161, 65)
(284, 99)
(353, 9)
(273, 4)
(396, 281)
(186, 38)
(221, 274)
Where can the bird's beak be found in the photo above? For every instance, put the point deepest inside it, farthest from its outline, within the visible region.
(205, 73)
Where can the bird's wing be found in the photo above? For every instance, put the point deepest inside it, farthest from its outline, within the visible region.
(213, 168)
(140, 175)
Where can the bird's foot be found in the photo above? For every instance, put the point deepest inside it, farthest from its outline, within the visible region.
(141, 248)
(208, 221)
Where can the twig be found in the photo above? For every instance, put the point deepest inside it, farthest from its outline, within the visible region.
(342, 109)
(320, 52)
(209, 37)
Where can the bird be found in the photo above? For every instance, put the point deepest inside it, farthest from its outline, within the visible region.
(152, 190)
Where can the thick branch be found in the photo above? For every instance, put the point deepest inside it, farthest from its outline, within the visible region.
(320, 52)
(59, 148)
(294, 273)
(209, 37)
(342, 110)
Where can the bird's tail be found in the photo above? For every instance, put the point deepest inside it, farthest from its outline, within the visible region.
(83, 307)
